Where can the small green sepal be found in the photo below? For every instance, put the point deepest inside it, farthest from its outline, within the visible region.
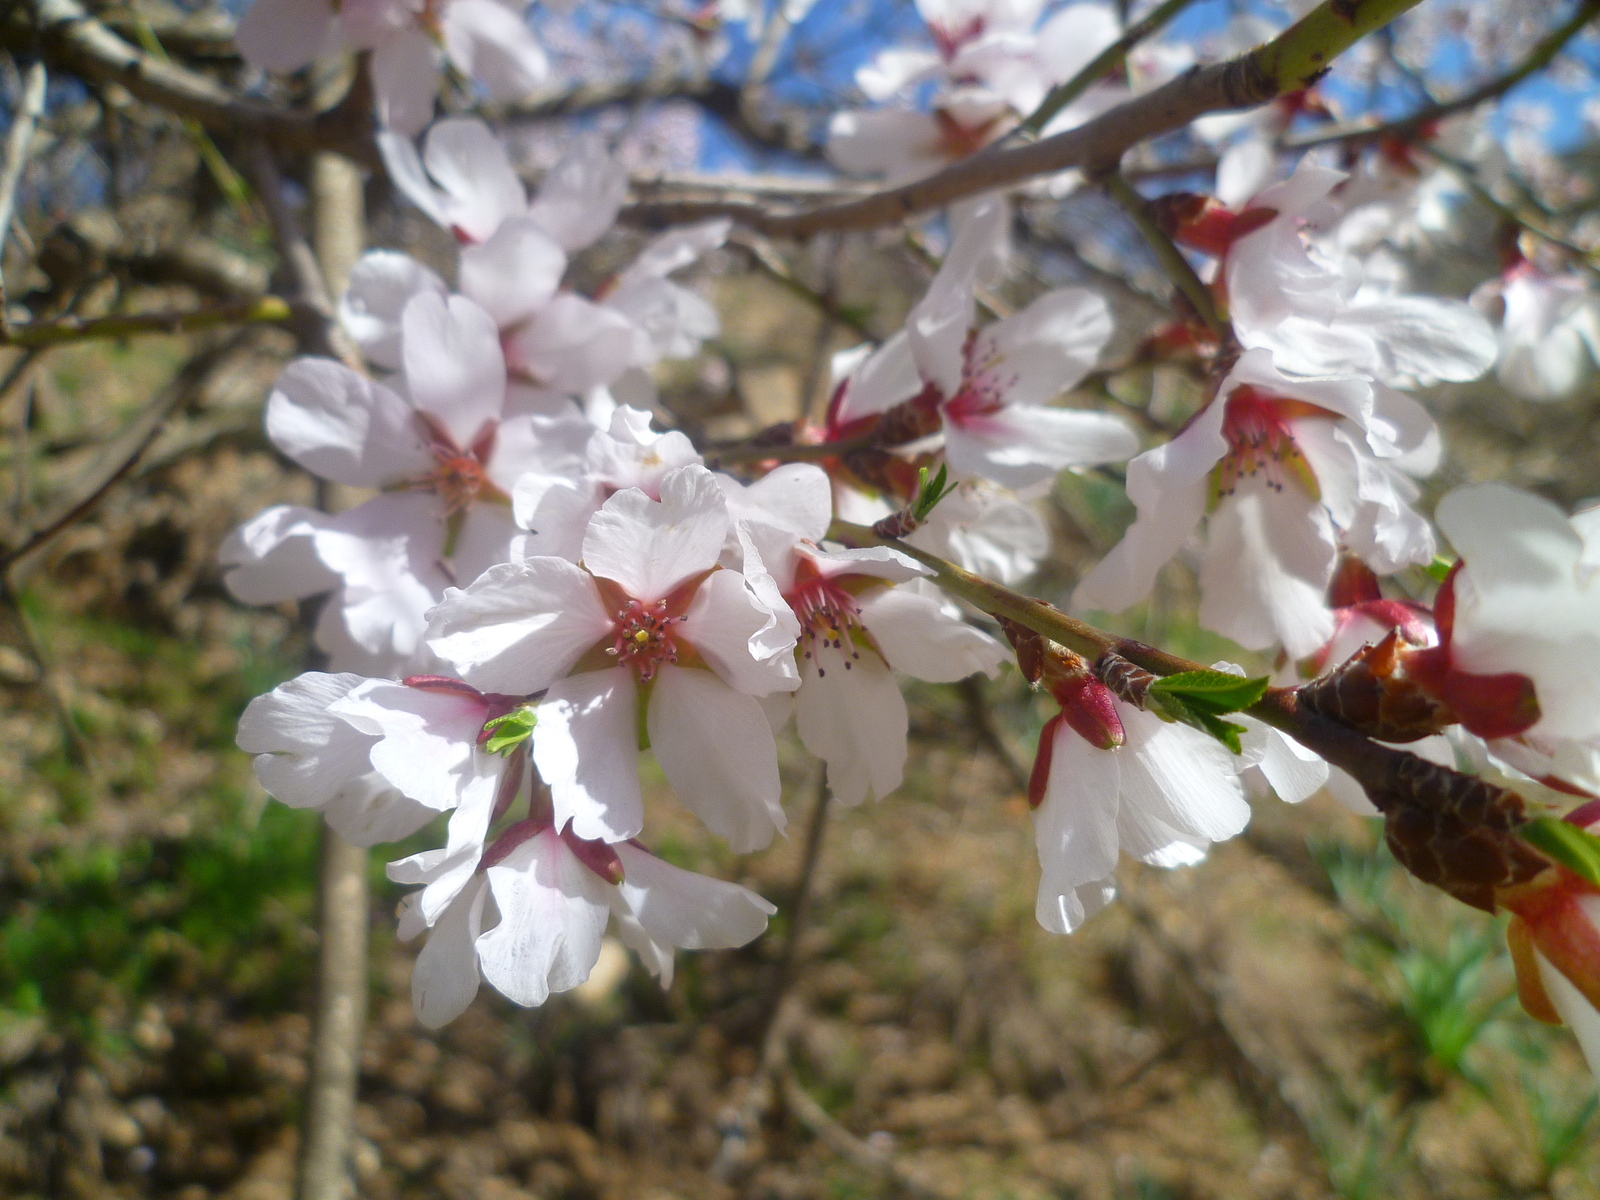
(1576, 849)
(510, 731)
(1439, 568)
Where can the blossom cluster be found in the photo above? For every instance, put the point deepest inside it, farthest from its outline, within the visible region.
(544, 583)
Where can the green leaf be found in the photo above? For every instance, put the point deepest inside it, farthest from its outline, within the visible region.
(929, 494)
(1574, 848)
(1439, 568)
(1211, 692)
(1225, 732)
(1183, 710)
(511, 730)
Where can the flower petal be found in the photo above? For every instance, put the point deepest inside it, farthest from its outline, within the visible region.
(454, 368)
(492, 44)
(649, 547)
(427, 744)
(444, 978)
(381, 284)
(740, 638)
(515, 272)
(1180, 777)
(405, 76)
(553, 912)
(273, 557)
(305, 755)
(1075, 827)
(923, 638)
(717, 751)
(1023, 445)
(580, 196)
(679, 908)
(586, 746)
(344, 427)
(520, 626)
(469, 163)
(849, 712)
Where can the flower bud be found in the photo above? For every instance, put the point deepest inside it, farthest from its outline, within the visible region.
(1087, 705)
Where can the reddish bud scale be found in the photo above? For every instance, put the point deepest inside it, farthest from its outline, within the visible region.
(1125, 680)
(1454, 831)
(1371, 692)
(1030, 648)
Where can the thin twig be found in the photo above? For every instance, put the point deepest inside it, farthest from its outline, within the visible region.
(64, 33)
(30, 107)
(800, 901)
(1292, 60)
(318, 331)
(123, 452)
(1101, 65)
(770, 262)
(63, 330)
(33, 647)
(741, 1124)
(980, 713)
(881, 1164)
(762, 62)
(1538, 58)
(1469, 180)
(1177, 267)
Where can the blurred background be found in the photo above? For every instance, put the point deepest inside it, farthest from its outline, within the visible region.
(1296, 1017)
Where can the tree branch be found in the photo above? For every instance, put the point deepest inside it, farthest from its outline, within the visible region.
(64, 33)
(1177, 267)
(1541, 56)
(30, 108)
(121, 455)
(62, 330)
(1103, 64)
(1294, 59)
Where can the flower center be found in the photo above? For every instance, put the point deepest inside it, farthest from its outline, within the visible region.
(983, 385)
(456, 479)
(1261, 442)
(458, 476)
(949, 38)
(829, 617)
(644, 638)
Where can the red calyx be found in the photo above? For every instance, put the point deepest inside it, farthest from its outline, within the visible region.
(1491, 706)
(1205, 224)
